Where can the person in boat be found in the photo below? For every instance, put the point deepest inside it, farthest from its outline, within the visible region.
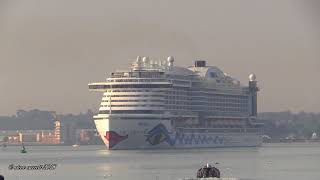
(208, 171)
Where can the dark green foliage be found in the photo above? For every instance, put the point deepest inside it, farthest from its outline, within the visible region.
(37, 119)
(283, 124)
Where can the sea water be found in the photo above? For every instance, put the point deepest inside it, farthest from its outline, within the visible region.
(294, 161)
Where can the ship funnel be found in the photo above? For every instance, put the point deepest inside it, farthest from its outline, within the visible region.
(200, 63)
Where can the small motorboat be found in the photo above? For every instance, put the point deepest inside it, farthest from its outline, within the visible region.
(209, 172)
(210, 178)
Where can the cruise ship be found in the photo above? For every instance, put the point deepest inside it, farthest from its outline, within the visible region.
(156, 104)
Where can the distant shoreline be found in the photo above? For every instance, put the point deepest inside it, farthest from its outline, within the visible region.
(33, 144)
(269, 142)
(291, 141)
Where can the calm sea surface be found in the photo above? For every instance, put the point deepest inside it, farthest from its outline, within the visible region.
(272, 161)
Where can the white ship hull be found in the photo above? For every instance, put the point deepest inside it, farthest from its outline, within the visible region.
(157, 134)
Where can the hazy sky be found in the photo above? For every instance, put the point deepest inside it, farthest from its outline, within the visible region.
(51, 50)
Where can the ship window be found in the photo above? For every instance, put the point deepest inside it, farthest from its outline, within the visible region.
(213, 74)
(131, 112)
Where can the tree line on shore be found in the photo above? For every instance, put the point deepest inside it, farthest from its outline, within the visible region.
(276, 124)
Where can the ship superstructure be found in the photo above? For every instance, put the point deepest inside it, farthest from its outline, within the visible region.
(156, 104)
